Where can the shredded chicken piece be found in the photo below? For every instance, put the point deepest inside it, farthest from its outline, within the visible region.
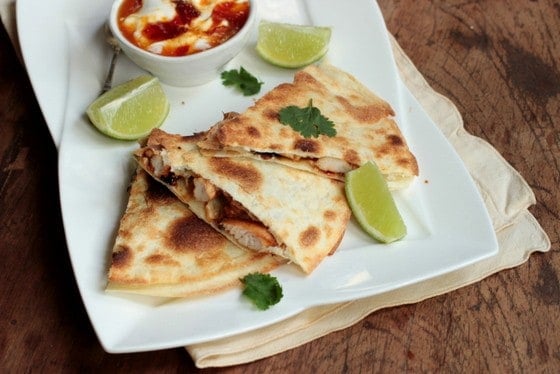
(334, 165)
(249, 234)
(156, 162)
(203, 189)
(213, 209)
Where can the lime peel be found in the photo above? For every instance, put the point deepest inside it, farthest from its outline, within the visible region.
(130, 110)
(292, 46)
(372, 204)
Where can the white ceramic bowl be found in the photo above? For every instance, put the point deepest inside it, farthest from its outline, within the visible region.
(190, 70)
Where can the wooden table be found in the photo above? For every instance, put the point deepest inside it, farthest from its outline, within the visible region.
(499, 61)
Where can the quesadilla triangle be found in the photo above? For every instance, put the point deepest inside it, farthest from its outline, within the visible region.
(259, 205)
(163, 249)
(364, 124)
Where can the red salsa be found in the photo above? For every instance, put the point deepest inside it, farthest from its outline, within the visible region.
(178, 27)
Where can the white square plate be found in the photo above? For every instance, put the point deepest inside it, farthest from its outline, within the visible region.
(66, 58)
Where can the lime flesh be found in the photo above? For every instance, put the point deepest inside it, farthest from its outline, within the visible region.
(292, 46)
(131, 110)
(373, 205)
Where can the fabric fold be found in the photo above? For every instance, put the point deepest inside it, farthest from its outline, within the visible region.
(503, 189)
(317, 322)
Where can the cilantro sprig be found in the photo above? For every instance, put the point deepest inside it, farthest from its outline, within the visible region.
(308, 121)
(262, 289)
(243, 80)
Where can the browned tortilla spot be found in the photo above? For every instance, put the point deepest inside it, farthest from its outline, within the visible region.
(395, 140)
(191, 232)
(305, 77)
(159, 259)
(247, 176)
(309, 237)
(352, 157)
(383, 151)
(367, 113)
(271, 115)
(330, 215)
(307, 145)
(253, 132)
(286, 132)
(279, 94)
(122, 257)
(125, 233)
(340, 199)
(234, 129)
(408, 163)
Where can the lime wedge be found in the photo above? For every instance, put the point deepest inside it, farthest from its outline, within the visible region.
(131, 110)
(292, 46)
(372, 204)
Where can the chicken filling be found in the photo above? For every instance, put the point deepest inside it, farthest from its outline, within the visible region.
(219, 207)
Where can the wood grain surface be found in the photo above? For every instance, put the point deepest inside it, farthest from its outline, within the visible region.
(498, 61)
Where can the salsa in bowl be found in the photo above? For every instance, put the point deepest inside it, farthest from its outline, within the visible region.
(182, 42)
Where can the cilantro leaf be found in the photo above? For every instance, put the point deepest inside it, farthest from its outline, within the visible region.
(262, 289)
(308, 121)
(243, 80)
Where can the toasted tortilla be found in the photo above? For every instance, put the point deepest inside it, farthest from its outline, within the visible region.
(366, 129)
(259, 205)
(163, 249)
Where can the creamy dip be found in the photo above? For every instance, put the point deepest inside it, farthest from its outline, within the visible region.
(181, 27)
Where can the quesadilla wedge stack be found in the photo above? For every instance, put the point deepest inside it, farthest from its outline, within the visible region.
(262, 206)
(163, 249)
(364, 124)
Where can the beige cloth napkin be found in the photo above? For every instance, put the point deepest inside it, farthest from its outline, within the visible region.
(507, 197)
